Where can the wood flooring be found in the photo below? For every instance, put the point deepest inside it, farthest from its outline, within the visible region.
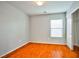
(38, 50)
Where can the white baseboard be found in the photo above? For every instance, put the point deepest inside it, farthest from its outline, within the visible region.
(48, 43)
(14, 49)
(76, 45)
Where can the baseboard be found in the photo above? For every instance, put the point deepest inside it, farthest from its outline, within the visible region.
(76, 45)
(73, 47)
(48, 43)
(70, 47)
(13, 50)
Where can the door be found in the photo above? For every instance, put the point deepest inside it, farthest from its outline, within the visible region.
(75, 28)
(69, 32)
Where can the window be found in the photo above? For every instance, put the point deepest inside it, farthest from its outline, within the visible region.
(57, 28)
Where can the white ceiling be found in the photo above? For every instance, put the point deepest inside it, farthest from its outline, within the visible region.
(31, 7)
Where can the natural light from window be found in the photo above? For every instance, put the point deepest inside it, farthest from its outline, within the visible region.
(56, 29)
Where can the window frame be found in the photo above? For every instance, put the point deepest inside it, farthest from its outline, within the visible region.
(63, 35)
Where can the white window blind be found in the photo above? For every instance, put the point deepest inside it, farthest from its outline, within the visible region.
(56, 29)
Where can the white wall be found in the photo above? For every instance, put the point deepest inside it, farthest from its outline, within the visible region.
(40, 28)
(72, 9)
(14, 28)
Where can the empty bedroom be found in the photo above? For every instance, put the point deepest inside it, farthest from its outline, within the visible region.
(39, 29)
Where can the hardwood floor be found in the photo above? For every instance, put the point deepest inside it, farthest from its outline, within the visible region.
(37, 50)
